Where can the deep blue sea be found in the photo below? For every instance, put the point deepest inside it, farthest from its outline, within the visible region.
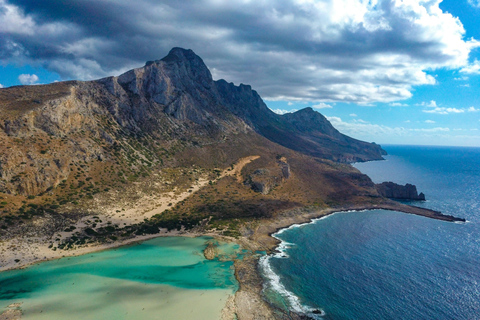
(389, 265)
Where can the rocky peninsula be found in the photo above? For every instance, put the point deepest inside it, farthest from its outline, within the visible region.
(165, 150)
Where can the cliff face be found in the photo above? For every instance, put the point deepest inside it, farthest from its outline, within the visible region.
(396, 191)
(144, 118)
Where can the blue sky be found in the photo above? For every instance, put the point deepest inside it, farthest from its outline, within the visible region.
(389, 71)
(454, 121)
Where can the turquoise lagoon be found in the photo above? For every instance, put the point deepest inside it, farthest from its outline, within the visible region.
(163, 278)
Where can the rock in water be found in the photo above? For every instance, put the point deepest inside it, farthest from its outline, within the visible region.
(210, 251)
(396, 191)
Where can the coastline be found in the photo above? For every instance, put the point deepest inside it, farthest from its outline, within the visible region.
(249, 299)
(248, 302)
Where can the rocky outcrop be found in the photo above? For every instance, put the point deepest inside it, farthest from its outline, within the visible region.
(264, 180)
(282, 162)
(396, 191)
(210, 251)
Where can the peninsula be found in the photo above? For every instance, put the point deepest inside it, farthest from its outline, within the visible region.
(166, 150)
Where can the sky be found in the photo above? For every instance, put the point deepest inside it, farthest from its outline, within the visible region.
(389, 71)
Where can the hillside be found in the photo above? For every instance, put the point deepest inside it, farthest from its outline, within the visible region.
(164, 146)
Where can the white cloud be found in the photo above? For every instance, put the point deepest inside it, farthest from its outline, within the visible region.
(1, 85)
(443, 110)
(438, 129)
(295, 50)
(282, 111)
(429, 121)
(430, 104)
(475, 3)
(353, 115)
(439, 110)
(398, 104)
(322, 105)
(14, 21)
(363, 129)
(28, 79)
(473, 68)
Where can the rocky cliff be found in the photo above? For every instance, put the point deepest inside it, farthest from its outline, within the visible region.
(396, 191)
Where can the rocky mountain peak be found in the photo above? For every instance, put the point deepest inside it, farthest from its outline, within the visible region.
(174, 100)
(187, 60)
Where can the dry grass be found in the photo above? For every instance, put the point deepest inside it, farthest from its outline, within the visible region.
(20, 99)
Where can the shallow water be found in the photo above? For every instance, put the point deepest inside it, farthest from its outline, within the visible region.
(387, 265)
(163, 278)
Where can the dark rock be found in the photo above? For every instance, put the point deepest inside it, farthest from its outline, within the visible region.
(396, 191)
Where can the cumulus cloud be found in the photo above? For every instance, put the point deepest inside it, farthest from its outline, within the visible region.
(1, 85)
(28, 79)
(473, 68)
(295, 50)
(429, 121)
(398, 104)
(14, 21)
(353, 115)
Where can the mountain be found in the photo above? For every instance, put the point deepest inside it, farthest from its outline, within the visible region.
(169, 104)
(161, 147)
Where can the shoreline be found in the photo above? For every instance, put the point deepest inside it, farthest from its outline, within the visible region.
(251, 283)
(248, 300)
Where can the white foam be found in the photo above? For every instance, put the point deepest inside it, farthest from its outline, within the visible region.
(275, 283)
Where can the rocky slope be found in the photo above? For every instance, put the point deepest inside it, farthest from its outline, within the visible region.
(306, 131)
(141, 117)
(118, 157)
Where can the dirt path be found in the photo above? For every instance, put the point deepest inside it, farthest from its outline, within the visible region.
(238, 166)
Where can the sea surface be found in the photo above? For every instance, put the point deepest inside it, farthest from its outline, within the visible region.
(381, 264)
(163, 278)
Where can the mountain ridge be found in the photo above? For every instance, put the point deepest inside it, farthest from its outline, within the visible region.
(168, 99)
